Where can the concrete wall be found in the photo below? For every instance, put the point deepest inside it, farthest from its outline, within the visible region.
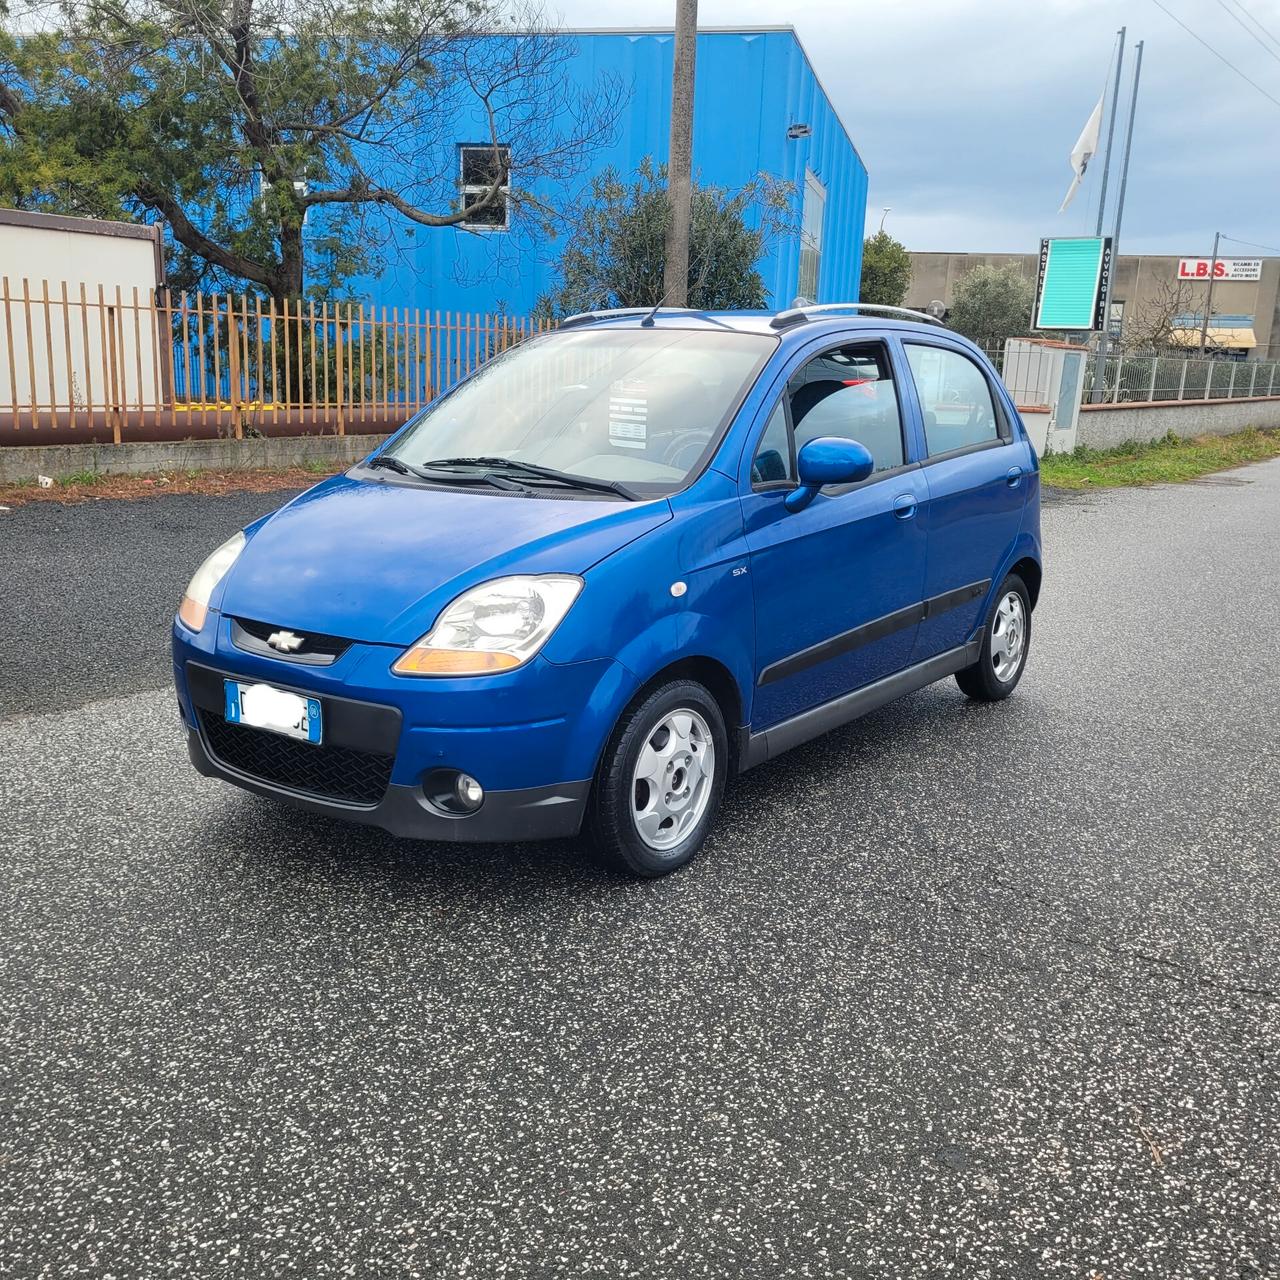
(70, 354)
(1103, 426)
(21, 462)
(1036, 419)
(934, 275)
(43, 247)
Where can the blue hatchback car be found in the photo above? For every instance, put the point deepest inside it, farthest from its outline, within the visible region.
(620, 563)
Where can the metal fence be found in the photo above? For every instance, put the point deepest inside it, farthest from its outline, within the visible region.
(1130, 376)
(101, 365)
(78, 365)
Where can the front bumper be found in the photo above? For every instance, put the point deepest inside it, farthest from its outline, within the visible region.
(534, 813)
(531, 737)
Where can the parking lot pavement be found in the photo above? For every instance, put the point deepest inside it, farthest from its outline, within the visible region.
(87, 592)
(957, 991)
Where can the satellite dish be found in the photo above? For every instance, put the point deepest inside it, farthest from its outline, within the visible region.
(936, 309)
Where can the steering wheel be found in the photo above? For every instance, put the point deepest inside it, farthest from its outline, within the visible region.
(685, 449)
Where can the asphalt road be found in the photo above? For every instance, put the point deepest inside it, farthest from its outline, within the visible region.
(957, 991)
(87, 591)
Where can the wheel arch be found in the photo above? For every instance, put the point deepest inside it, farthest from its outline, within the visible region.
(1029, 570)
(715, 677)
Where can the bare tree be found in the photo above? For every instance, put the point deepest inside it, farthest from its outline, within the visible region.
(238, 120)
(1154, 324)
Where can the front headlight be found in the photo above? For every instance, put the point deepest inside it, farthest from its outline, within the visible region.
(494, 627)
(195, 603)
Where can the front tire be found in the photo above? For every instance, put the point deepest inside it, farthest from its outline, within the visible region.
(660, 780)
(1006, 641)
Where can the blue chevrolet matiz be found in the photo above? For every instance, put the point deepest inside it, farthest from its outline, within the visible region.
(616, 566)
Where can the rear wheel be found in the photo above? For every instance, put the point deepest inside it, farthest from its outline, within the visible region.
(660, 780)
(1006, 640)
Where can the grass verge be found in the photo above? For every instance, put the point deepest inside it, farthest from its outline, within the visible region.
(1158, 462)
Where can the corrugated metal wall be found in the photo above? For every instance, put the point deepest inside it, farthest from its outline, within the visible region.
(750, 87)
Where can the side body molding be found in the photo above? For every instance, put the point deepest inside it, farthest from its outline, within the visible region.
(756, 748)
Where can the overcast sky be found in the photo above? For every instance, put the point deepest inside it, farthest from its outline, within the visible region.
(965, 111)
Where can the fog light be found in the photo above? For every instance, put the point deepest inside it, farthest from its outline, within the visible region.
(468, 791)
(452, 793)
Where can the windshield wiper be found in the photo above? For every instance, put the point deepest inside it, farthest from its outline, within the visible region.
(532, 469)
(392, 464)
(403, 468)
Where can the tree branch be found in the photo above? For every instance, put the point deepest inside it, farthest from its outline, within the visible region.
(361, 194)
(189, 235)
(10, 103)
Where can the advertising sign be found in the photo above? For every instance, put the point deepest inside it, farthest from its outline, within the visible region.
(1074, 272)
(1222, 269)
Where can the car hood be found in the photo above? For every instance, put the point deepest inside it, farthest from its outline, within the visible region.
(377, 561)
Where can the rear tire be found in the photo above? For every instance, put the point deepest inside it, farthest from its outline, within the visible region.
(660, 780)
(1006, 641)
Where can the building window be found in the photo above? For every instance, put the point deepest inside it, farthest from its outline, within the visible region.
(478, 167)
(811, 218)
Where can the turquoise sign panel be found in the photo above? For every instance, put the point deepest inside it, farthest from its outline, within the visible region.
(1073, 283)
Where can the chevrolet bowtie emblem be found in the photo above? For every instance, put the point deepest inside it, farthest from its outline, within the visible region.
(285, 641)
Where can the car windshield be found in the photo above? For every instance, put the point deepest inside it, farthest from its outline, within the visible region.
(633, 407)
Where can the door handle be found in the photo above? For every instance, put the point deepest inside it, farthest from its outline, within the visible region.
(1014, 477)
(904, 506)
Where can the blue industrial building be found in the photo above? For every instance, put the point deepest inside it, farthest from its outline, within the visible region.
(759, 108)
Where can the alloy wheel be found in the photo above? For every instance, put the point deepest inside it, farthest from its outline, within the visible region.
(1008, 636)
(672, 782)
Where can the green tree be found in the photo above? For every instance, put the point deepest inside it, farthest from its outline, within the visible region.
(991, 304)
(617, 252)
(237, 121)
(886, 270)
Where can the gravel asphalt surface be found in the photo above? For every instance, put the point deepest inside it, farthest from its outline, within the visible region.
(956, 991)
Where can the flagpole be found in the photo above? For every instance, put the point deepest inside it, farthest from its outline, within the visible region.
(1111, 129)
(1099, 371)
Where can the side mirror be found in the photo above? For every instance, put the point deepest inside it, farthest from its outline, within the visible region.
(828, 460)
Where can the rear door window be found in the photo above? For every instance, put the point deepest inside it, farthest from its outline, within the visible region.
(955, 399)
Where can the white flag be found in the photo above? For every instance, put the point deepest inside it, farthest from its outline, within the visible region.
(1085, 149)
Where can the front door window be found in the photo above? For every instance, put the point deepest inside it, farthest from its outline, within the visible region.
(849, 393)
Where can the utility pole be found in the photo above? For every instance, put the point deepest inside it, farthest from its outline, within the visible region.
(675, 275)
(1104, 342)
(1111, 130)
(1208, 304)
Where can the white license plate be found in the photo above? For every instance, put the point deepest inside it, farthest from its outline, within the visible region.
(265, 707)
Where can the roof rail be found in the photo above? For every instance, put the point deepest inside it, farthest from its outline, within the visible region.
(590, 317)
(800, 315)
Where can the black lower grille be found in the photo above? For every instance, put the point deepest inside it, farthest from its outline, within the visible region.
(335, 773)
